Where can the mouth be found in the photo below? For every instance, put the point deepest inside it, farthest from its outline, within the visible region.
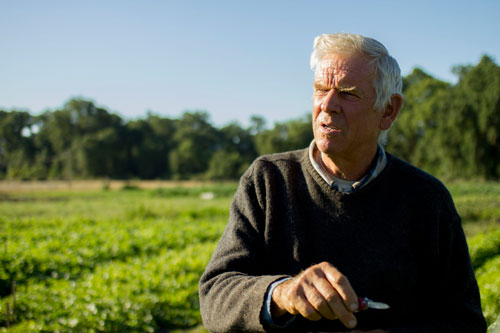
(329, 128)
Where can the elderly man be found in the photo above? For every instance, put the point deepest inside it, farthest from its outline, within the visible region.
(311, 231)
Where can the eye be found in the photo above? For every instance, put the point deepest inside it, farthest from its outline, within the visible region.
(348, 94)
(321, 91)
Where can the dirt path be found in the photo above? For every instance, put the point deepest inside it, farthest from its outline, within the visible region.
(78, 185)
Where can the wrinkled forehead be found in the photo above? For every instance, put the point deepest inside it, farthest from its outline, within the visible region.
(342, 66)
(329, 67)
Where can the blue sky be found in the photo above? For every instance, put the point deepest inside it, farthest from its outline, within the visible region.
(232, 59)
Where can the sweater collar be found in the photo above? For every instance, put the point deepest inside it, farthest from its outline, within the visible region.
(343, 185)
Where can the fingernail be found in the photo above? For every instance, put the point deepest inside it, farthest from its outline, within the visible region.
(354, 307)
(352, 323)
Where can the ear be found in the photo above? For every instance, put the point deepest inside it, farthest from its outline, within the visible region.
(391, 111)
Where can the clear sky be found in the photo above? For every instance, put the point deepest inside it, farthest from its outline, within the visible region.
(232, 59)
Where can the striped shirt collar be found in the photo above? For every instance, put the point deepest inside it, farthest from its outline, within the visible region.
(343, 185)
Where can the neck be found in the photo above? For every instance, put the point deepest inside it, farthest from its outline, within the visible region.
(348, 167)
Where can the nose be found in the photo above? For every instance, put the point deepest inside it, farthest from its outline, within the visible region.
(330, 102)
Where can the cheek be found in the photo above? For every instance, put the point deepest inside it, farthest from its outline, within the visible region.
(318, 100)
(315, 115)
(316, 108)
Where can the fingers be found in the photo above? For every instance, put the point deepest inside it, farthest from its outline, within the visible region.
(321, 291)
(315, 293)
(307, 304)
(342, 286)
(339, 294)
(295, 296)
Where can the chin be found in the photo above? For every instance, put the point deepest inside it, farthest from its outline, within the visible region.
(326, 146)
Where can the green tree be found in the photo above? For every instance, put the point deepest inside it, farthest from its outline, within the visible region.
(100, 154)
(234, 152)
(473, 130)
(81, 141)
(150, 142)
(257, 124)
(452, 131)
(16, 144)
(195, 141)
(413, 136)
(289, 135)
(225, 165)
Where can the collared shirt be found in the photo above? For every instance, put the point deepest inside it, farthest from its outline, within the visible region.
(343, 185)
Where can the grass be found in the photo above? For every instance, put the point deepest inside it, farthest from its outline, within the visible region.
(478, 204)
(109, 204)
(62, 245)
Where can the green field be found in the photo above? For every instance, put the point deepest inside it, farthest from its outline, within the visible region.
(130, 259)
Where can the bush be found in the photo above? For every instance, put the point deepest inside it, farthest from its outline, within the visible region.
(483, 247)
(485, 256)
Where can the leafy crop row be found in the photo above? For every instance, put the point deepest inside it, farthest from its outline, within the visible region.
(140, 294)
(484, 247)
(485, 255)
(68, 248)
(488, 278)
(131, 260)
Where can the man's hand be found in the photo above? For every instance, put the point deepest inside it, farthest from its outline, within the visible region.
(321, 291)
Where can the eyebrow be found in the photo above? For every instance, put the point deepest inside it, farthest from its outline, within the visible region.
(321, 85)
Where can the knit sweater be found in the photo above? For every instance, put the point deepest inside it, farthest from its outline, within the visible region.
(398, 240)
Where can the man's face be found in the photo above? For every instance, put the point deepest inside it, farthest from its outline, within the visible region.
(344, 121)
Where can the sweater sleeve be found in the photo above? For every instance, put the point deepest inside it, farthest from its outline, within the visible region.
(453, 304)
(232, 289)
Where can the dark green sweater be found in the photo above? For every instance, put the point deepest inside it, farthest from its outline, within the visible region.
(399, 240)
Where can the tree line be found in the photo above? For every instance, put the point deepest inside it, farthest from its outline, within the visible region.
(82, 141)
(450, 130)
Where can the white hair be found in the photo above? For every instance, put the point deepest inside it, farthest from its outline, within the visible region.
(387, 78)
